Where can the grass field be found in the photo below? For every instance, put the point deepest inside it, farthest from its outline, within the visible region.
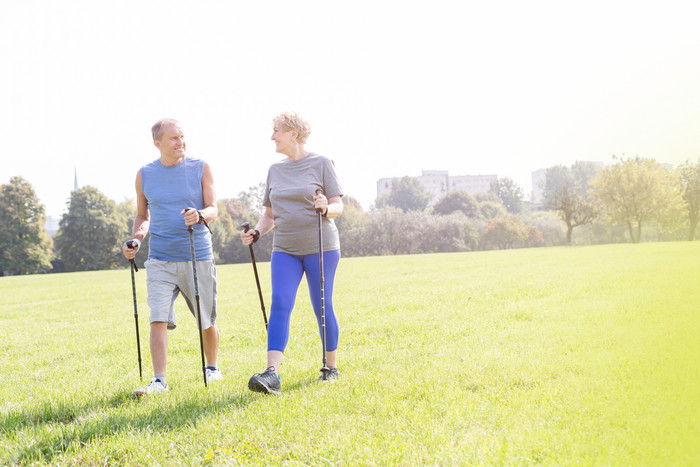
(559, 356)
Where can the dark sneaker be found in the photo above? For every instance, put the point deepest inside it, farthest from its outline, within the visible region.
(267, 382)
(331, 375)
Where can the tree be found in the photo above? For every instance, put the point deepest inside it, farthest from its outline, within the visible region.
(491, 209)
(566, 192)
(505, 233)
(450, 230)
(24, 246)
(457, 200)
(510, 194)
(353, 227)
(224, 235)
(549, 226)
(406, 194)
(226, 241)
(127, 210)
(393, 232)
(689, 176)
(390, 231)
(534, 237)
(91, 232)
(639, 190)
(252, 199)
(349, 201)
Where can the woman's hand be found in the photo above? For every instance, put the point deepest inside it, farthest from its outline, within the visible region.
(248, 237)
(321, 203)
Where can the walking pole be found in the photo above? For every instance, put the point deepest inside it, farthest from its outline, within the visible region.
(190, 229)
(325, 370)
(246, 227)
(130, 244)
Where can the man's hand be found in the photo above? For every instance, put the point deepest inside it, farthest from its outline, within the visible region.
(130, 248)
(192, 216)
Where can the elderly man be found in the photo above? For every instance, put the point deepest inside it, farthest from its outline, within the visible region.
(173, 193)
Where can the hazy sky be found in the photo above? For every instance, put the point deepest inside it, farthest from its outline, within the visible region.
(389, 88)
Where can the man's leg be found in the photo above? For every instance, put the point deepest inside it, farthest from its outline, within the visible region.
(159, 346)
(159, 357)
(210, 337)
(206, 284)
(162, 292)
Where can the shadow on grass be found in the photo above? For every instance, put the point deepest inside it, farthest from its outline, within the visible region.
(64, 425)
(300, 384)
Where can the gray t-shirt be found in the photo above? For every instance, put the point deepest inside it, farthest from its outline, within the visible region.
(289, 191)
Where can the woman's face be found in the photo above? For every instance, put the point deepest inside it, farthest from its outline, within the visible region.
(283, 138)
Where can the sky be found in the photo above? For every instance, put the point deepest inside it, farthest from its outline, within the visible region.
(390, 88)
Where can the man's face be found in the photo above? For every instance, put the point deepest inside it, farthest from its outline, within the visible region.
(172, 142)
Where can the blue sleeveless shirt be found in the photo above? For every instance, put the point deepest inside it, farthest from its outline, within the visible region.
(168, 191)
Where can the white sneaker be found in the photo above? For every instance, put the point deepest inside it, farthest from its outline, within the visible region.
(154, 387)
(213, 375)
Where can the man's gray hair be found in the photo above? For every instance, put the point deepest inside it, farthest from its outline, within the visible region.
(157, 128)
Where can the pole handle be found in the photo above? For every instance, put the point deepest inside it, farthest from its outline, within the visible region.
(202, 220)
(319, 191)
(130, 244)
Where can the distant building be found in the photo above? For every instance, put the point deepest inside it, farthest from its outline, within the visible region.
(51, 225)
(538, 178)
(439, 182)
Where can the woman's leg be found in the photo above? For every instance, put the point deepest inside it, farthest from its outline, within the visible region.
(286, 276)
(313, 279)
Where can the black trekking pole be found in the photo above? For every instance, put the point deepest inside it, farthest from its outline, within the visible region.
(134, 268)
(325, 370)
(190, 229)
(246, 227)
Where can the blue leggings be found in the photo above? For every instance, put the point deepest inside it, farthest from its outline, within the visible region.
(287, 271)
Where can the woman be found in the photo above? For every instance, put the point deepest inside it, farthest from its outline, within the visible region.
(290, 202)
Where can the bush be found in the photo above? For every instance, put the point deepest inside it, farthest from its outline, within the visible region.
(504, 233)
(548, 224)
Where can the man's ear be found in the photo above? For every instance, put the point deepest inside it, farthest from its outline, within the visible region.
(156, 143)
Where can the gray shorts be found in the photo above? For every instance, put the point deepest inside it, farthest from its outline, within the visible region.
(166, 279)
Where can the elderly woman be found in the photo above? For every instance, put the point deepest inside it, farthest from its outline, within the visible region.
(291, 203)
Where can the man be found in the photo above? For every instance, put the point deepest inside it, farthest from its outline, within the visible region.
(172, 193)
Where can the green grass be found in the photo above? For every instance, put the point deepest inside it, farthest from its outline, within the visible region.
(584, 355)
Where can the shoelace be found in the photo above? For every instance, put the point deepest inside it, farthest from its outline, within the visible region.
(267, 371)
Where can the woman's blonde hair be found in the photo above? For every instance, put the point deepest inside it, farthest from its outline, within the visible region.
(294, 122)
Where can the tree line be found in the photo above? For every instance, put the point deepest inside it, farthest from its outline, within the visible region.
(633, 199)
